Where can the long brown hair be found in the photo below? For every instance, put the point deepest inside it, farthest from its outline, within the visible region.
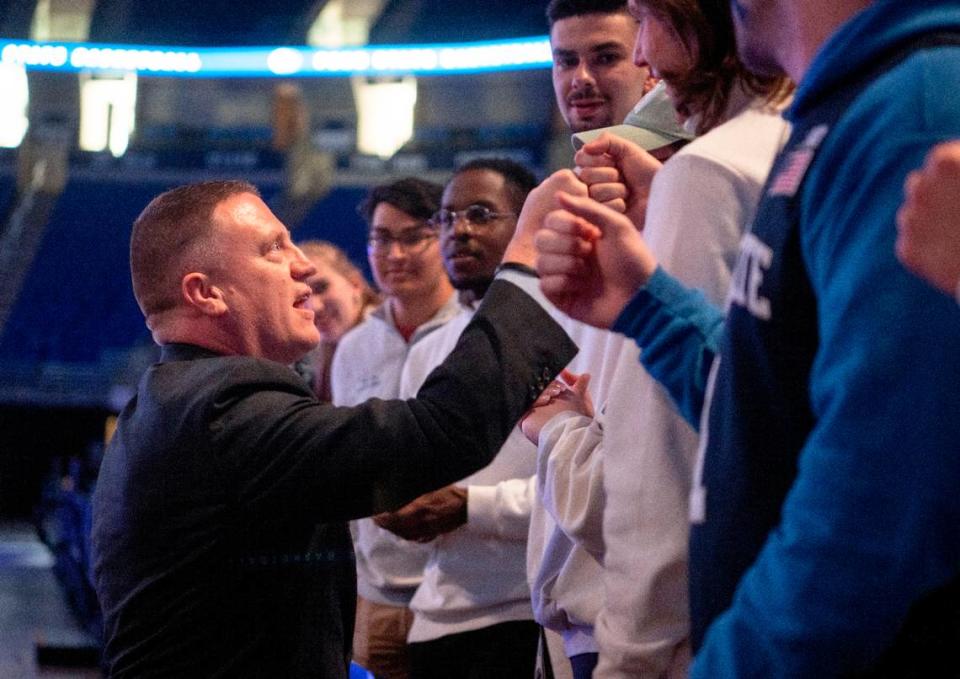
(706, 29)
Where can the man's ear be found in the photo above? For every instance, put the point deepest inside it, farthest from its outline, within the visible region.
(202, 295)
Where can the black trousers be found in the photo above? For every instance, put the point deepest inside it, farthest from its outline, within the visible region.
(504, 651)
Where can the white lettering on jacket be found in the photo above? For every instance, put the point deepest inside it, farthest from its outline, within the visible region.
(753, 262)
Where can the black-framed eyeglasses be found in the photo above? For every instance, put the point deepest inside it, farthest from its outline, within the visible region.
(411, 241)
(477, 215)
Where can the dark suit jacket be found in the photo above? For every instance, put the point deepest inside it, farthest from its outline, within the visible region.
(219, 538)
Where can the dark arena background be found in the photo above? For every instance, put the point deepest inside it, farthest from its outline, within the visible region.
(106, 103)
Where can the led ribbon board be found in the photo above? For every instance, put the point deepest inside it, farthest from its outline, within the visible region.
(271, 62)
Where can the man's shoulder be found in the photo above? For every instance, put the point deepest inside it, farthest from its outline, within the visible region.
(909, 97)
(883, 133)
(899, 74)
(211, 375)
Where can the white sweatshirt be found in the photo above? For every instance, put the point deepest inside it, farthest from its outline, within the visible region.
(474, 576)
(700, 204)
(367, 364)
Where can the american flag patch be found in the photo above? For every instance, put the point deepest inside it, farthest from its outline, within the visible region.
(794, 168)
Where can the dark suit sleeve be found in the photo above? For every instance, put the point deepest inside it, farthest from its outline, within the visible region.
(293, 454)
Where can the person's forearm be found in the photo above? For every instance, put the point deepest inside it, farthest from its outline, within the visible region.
(570, 478)
(501, 511)
(475, 409)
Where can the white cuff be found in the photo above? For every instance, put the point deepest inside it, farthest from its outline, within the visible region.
(559, 420)
(529, 284)
(481, 509)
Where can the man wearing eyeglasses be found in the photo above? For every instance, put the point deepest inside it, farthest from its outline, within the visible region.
(472, 614)
(404, 254)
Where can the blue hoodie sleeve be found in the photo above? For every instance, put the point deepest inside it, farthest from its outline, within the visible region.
(872, 522)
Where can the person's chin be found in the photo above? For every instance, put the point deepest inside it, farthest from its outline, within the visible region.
(312, 339)
(578, 124)
(296, 348)
(330, 333)
(471, 280)
(335, 333)
(398, 280)
(594, 120)
(401, 288)
(465, 268)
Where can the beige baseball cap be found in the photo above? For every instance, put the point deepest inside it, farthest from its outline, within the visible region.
(651, 124)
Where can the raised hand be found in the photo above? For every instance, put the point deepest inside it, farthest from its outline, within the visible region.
(635, 167)
(541, 201)
(591, 260)
(605, 186)
(928, 239)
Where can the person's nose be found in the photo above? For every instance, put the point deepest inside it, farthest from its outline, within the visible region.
(582, 76)
(461, 227)
(638, 58)
(395, 251)
(300, 266)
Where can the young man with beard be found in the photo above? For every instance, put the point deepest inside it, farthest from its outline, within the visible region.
(595, 81)
(826, 518)
(404, 254)
(693, 215)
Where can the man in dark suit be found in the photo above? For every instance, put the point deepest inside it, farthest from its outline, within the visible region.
(219, 537)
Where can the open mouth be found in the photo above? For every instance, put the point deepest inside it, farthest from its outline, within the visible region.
(303, 302)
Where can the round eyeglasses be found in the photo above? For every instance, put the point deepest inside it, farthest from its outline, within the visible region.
(476, 215)
(411, 241)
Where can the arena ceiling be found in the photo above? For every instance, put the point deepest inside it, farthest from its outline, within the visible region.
(218, 23)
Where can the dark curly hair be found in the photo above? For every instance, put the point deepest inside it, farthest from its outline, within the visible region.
(520, 180)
